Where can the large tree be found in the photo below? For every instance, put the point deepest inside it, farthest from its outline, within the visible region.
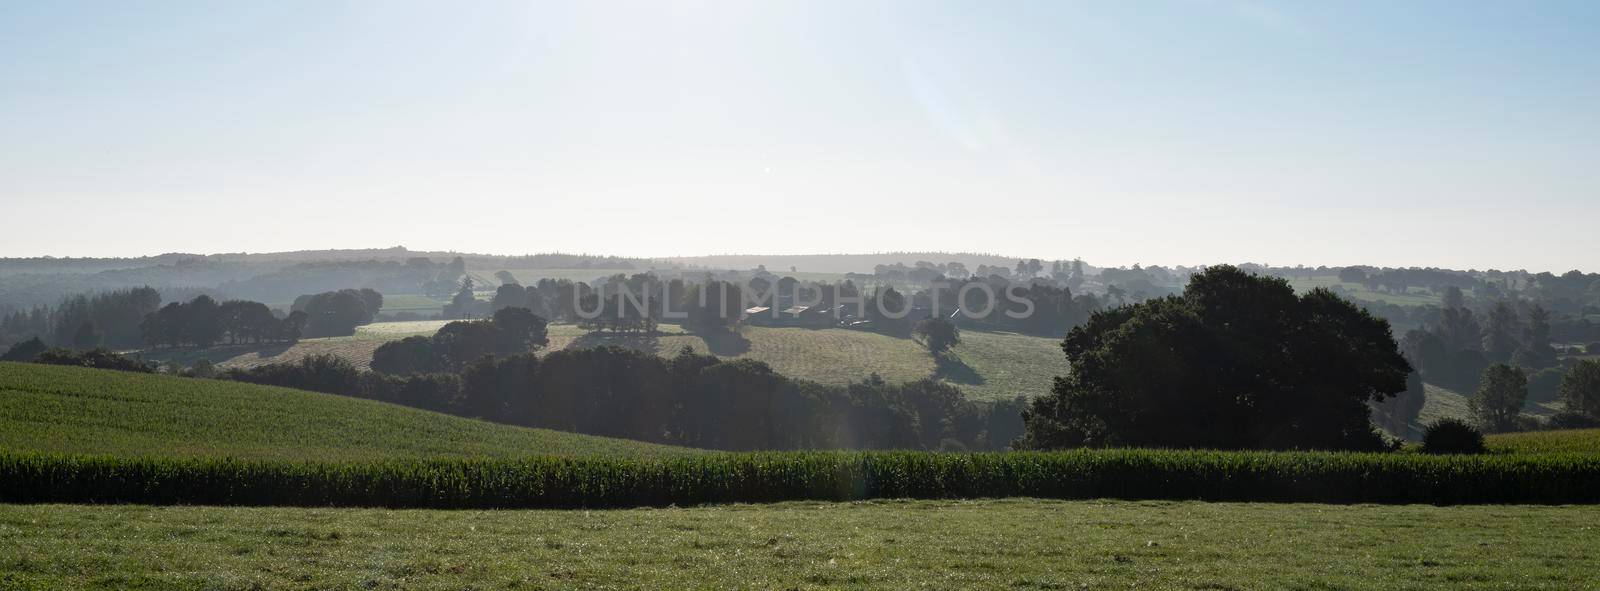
(1237, 361)
(1580, 389)
(1500, 397)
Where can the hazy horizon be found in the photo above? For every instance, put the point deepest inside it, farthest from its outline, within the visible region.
(1426, 134)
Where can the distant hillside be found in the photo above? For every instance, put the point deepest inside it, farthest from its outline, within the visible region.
(840, 263)
(88, 411)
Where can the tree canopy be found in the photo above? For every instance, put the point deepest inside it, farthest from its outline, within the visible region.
(1237, 361)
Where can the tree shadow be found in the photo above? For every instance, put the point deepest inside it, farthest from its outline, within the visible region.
(726, 343)
(638, 341)
(948, 367)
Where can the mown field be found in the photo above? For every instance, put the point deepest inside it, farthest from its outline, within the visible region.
(994, 544)
(1357, 291)
(356, 348)
(992, 364)
(86, 411)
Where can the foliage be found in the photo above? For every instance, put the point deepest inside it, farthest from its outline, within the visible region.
(938, 334)
(95, 358)
(1452, 436)
(25, 351)
(1580, 389)
(457, 344)
(1568, 419)
(1237, 362)
(1499, 399)
(202, 322)
(338, 313)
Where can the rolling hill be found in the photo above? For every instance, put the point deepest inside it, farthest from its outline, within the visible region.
(992, 365)
(88, 411)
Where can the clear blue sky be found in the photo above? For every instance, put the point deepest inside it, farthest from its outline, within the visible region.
(1460, 134)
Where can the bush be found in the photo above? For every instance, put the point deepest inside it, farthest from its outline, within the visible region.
(95, 358)
(1592, 348)
(1452, 436)
(1545, 385)
(329, 374)
(1572, 420)
(25, 351)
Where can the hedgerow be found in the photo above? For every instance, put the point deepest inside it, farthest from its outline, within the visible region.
(781, 476)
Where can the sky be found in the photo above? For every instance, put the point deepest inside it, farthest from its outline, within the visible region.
(1451, 134)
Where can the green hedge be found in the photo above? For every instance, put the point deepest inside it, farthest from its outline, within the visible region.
(765, 477)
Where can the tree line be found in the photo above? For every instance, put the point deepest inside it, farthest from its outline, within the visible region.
(688, 399)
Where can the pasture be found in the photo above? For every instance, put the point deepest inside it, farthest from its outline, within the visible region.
(356, 348)
(991, 544)
(990, 365)
(73, 410)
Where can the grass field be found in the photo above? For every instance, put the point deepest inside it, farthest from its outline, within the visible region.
(86, 411)
(993, 364)
(356, 348)
(1416, 297)
(998, 544)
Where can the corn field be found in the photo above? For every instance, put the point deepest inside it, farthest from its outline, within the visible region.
(836, 476)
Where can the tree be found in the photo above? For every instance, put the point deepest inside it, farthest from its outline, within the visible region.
(88, 336)
(518, 330)
(202, 325)
(1236, 361)
(1399, 412)
(25, 351)
(1500, 333)
(938, 334)
(1453, 298)
(510, 295)
(1499, 400)
(337, 313)
(406, 356)
(462, 342)
(1580, 389)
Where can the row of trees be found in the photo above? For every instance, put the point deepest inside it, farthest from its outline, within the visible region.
(689, 399)
(1460, 345)
(455, 345)
(338, 313)
(202, 322)
(85, 321)
(1503, 392)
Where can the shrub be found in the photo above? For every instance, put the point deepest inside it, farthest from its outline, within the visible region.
(1592, 348)
(1568, 419)
(25, 351)
(1452, 436)
(1545, 385)
(329, 374)
(96, 358)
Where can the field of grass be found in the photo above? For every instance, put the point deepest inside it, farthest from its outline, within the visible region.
(995, 544)
(1357, 291)
(993, 364)
(87, 411)
(414, 303)
(356, 348)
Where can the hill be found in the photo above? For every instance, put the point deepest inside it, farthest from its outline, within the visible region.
(992, 365)
(88, 411)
